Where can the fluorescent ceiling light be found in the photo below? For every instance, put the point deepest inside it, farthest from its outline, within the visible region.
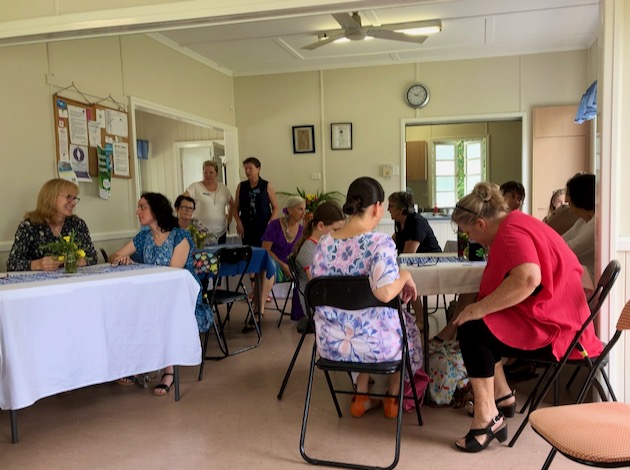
(431, 27)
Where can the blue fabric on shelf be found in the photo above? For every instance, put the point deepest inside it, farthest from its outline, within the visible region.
(588, 105)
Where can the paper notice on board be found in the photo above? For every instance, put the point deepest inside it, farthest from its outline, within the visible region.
(116, 123)
(77, 119)
(121, 159)
(100, 118)
(94, 130)
(104, 171)
(63, 144)
(64, 169)
(79, 162)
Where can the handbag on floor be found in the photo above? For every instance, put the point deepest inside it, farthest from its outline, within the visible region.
(447, 372)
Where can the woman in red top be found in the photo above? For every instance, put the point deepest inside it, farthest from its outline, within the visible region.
(530, 304)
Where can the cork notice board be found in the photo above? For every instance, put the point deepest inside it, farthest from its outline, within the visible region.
(81, 127)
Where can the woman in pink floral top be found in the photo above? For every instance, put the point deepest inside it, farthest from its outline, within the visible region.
(373, 334)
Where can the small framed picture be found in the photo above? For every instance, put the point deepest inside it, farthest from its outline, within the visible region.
(341, 136)
(303, 139)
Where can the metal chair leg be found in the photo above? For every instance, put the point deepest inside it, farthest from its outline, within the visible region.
(285, 380)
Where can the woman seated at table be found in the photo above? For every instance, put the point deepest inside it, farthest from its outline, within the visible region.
(581, 237)
(279, 239)
(412, 232)
(530, 305)
(327, 218)
(185, 207)
(163, 244)
(53, 217)
(368, 335)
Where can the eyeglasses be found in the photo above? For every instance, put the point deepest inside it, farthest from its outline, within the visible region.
(187, 208)
(70, 197)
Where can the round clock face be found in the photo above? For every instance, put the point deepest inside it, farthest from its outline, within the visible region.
(417, 96)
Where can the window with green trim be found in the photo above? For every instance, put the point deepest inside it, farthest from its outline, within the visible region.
(458, 166)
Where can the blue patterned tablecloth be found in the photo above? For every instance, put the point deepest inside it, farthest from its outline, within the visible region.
(430, 260)
(206, 265)
(35, 276)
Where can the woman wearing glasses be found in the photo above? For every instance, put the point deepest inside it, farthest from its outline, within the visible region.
(185, 207)
(53, 217)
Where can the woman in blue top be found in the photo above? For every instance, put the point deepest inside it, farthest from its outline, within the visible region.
(163, 244)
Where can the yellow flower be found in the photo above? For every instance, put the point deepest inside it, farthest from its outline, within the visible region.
(67, 238)
(81, 253)
(61, 258)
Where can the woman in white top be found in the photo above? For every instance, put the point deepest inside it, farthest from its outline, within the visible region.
(581, 237)
(214, 202)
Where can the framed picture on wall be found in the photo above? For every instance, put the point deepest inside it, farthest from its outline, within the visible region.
(341, 136)
(303, 139)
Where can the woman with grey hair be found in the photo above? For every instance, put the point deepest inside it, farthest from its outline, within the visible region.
(279, 239)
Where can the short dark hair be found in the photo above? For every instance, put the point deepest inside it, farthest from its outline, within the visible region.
(513, 187)
(362, 193)
(162, 210)
(253, 160)
(404, 200)
(581, 191)
(181, 198)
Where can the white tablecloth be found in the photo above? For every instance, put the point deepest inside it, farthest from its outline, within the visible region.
(71, 332)
(443, 276)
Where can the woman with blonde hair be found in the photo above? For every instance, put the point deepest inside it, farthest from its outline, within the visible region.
(53, 217)
(213, 200)
(530, 305)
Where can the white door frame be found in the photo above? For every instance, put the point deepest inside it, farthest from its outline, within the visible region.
(230, 137)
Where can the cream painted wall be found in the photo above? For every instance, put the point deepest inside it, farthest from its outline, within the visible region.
(157, 172)
(130, 66)
(372, 99)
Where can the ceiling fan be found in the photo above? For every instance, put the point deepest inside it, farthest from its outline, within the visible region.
(353, 30)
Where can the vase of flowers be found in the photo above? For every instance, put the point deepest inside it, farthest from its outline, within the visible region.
(313, 200)
(66, 250)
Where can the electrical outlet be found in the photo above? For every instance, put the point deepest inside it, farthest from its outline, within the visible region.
(316, 176)
(386, 171)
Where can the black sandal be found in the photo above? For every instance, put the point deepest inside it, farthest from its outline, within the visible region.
(507, 411)
(163, 386)
(473, 445)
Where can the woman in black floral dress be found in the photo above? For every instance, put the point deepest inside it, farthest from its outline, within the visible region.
(52, 218)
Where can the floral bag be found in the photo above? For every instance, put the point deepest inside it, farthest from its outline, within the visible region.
(447, 372)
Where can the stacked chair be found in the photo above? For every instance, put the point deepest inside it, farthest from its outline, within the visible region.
(353, 293)
(552, 371)
(594, 434)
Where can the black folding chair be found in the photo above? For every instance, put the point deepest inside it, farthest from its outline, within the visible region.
(354, 293)
(294, 272)
(230, 260)
(282, 310)
(594, 434)
(553, 369)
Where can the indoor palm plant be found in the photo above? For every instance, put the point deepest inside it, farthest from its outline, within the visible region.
(313, 200)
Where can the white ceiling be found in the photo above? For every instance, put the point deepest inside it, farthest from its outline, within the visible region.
(470, 29)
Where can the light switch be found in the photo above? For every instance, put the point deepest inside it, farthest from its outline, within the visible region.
(386, 171)
(396, 170)
(316, 176)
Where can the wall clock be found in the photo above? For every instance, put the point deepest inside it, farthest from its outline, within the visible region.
(417, 95)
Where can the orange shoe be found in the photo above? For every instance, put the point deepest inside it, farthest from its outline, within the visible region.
(390, 408)
(362, 403)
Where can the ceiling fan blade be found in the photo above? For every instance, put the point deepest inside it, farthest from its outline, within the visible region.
(346, 21)
(387, 34)
(323, 42)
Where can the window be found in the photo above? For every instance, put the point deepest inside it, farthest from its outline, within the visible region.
(459, 165)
